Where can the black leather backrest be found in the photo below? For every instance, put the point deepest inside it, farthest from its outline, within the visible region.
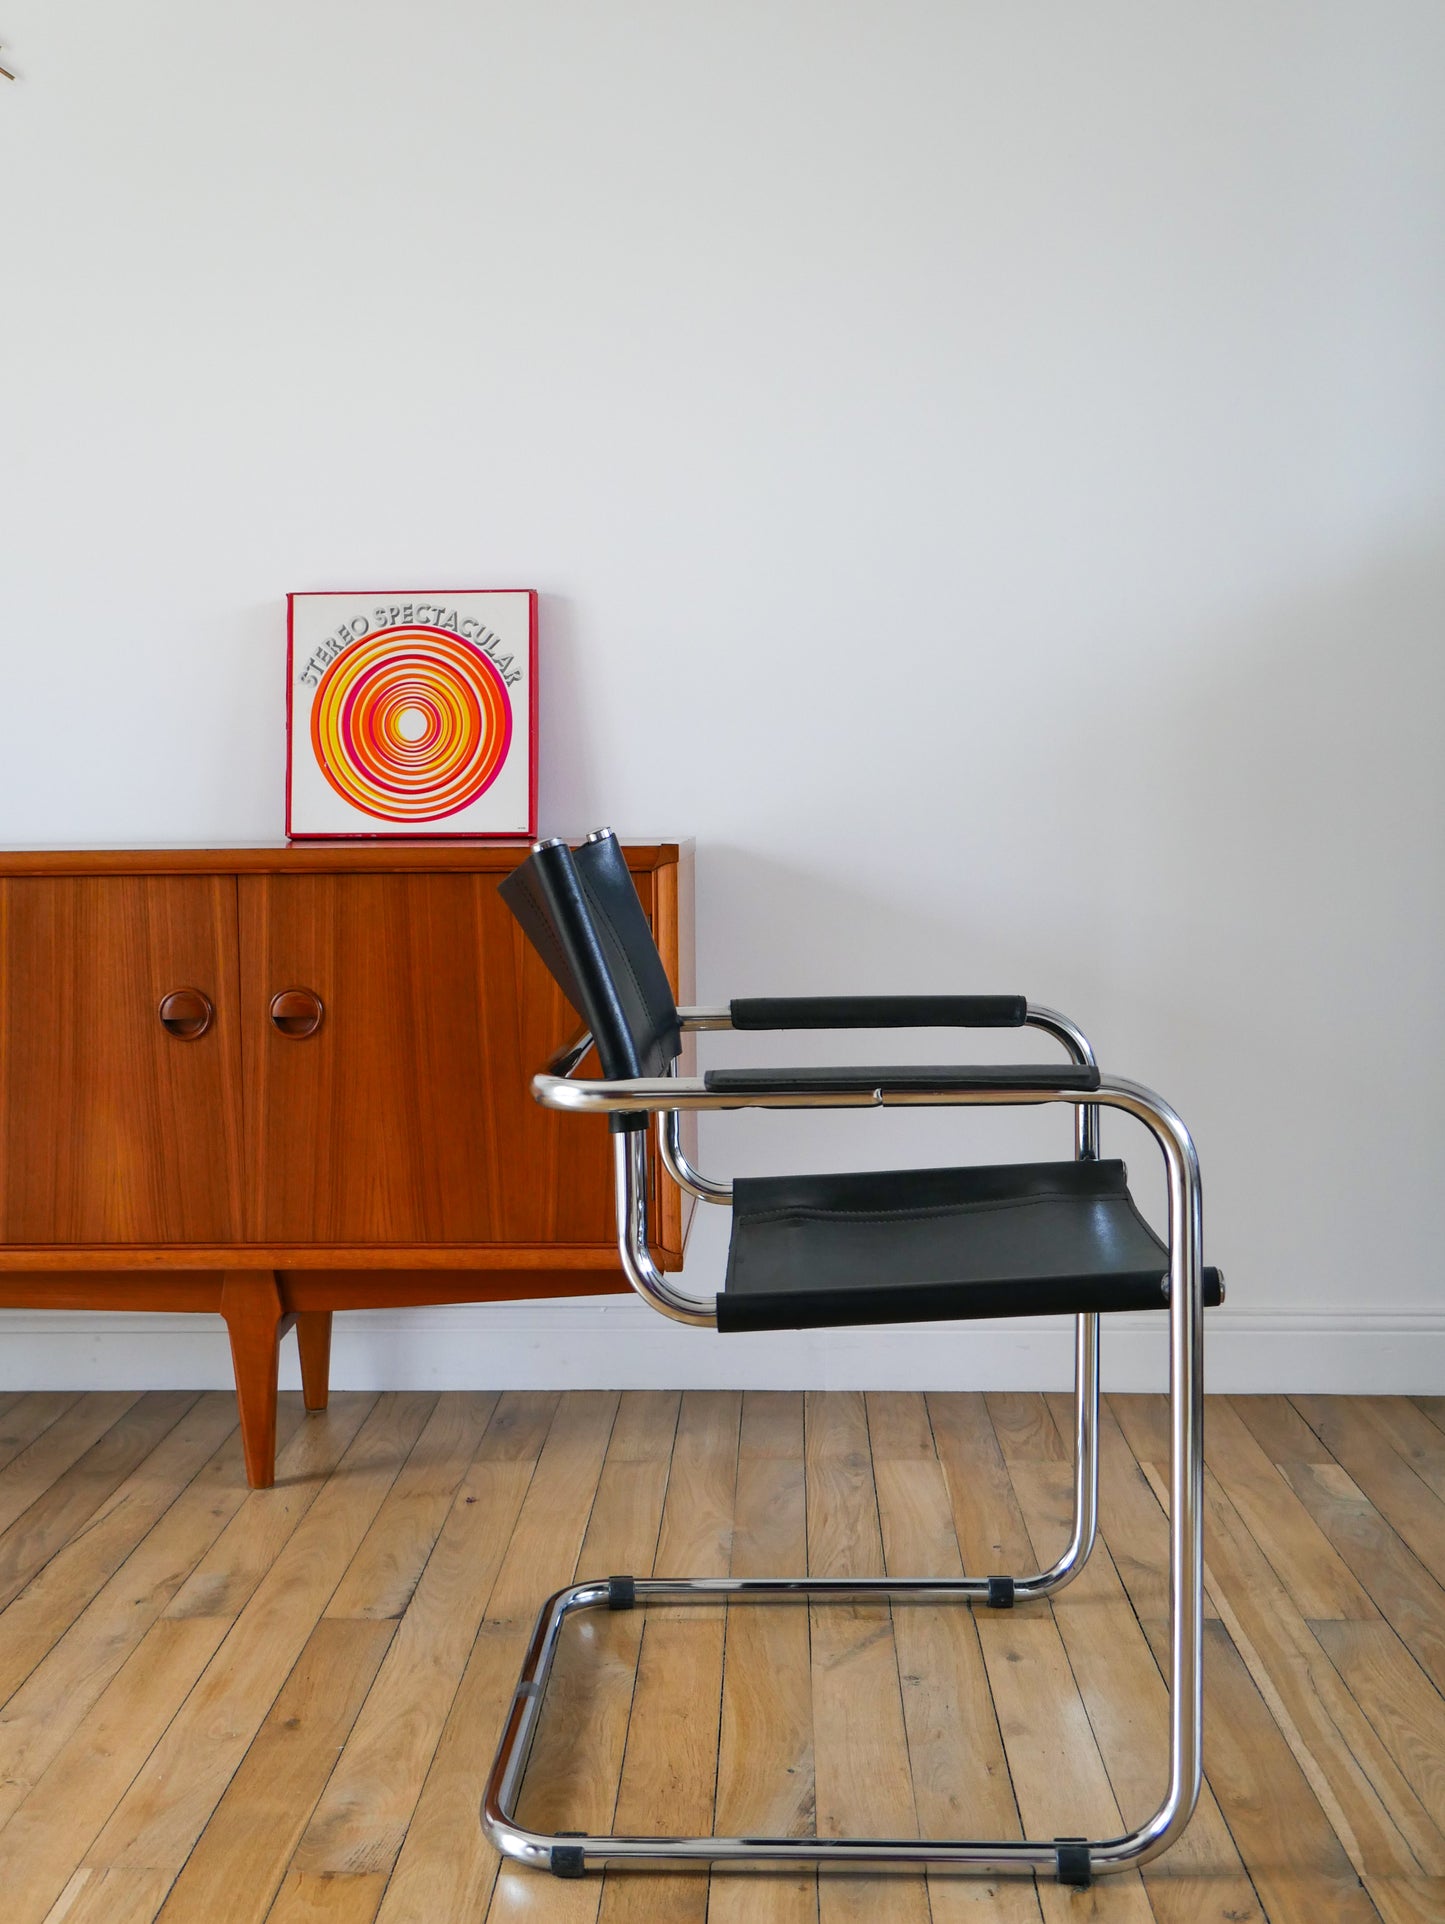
(638, 974)
(580, 911)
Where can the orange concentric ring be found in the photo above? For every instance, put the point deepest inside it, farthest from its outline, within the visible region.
(411, 724)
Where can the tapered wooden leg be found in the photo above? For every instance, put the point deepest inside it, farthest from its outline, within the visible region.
(313, 1339)
(255, 1317)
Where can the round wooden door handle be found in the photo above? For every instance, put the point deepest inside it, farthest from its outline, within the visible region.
(296, 1013)
(186, 1013)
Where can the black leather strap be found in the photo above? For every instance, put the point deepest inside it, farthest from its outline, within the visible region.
(546, 895)
(627, 943)
(904, 1077)
(879, 1012)
(581, 913)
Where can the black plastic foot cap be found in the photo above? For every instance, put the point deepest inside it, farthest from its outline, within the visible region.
(1072, 1860)
(1000, 1593)
(566, 1860)
(621, 1593)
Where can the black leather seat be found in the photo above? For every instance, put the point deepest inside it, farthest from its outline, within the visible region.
(915, 1245)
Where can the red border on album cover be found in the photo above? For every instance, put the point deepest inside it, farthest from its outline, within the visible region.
(401, 832)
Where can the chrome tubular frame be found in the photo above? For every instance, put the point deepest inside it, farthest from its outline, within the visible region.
(1086, 1328)
(630, 1172)
(669, 1122)
(1071, 1861)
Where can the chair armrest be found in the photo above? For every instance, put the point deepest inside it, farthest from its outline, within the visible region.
(879, 1012)
(1083, 1077)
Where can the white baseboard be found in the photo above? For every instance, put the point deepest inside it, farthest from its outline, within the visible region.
(607, 1343)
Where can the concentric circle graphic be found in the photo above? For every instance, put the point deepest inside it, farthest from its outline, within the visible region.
(411, 723)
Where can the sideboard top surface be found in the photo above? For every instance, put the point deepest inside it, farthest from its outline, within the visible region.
(302, 858)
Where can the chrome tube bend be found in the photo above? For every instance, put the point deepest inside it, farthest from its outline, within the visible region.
(1086, 1114)
(669, 1121)
(630, 1176)
(1186, 1480)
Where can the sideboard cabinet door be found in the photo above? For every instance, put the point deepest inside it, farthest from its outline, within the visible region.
(403, 1114)
(114, 1126)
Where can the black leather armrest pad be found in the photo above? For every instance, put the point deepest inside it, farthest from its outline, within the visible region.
(879, 1012)
(984, 1075)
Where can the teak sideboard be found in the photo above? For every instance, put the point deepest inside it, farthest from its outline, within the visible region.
(277, 1082)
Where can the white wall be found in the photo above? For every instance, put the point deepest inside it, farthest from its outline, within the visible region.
(985, 469)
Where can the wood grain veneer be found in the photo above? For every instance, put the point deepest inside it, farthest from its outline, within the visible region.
(408, 1117)
(244, 1157)
(300, 858)
(111, 1129)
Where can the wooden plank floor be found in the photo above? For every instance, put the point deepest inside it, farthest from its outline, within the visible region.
(278, 1707)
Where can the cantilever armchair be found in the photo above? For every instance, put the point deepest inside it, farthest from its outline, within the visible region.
(896, 1246)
